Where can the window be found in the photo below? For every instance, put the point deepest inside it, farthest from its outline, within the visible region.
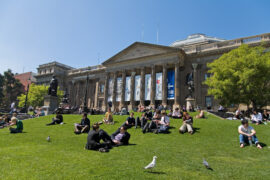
(101, 88)
(207, 75)
(208, 101)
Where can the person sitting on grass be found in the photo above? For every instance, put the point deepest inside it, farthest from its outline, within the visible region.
(120, 137)
(58, 119)
(176, 114)
(141, 121)
(247, 135)
(82, 127)
(164, 124)
(108, 119)
(238, 114)
(157, 115)
(200, 115)
(187, 124)
(93, 140)
(265, 115)
(256, 117)
(18, 123)
(130, 121)
(4, 121)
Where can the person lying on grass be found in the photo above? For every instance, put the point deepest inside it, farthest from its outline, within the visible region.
(130, 121)
(120, 137)
(247, 135)
(187, 124)
(94, 137)
(18, 123)
(58, 119)
(108, 119)
(256, 117)
(83, 126)
(200, 115)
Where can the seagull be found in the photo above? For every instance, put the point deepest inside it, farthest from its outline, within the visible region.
(152, 164)
(205, 163)
(48, 138)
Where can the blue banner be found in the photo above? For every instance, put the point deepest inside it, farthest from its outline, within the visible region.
(170, 80)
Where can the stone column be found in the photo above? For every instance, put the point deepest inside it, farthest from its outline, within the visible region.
(195, 65)
(122, 101)
(177, 86)
(96, 94)
(164, 85)
(142, 85)
(114, 91)
(132, 88)
(153, 86)
(105, 100)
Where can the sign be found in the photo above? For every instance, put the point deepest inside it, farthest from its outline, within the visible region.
(127, 89)
(170, 85)
(118, 89)
(137, 87)
(110, 90)
(158, 86)
(147, 87)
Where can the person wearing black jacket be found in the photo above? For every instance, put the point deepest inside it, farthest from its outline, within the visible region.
(121, 137)
(82, 127)
(94, 137)
(130, 121)
(58, 119)
(141, 121)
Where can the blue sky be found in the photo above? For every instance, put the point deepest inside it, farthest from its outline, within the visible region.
(82, 33)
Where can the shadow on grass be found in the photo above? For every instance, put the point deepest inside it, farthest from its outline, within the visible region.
(263, 144)
(196, 130)
(155, 172)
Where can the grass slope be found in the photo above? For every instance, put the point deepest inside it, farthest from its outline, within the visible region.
(30, 156)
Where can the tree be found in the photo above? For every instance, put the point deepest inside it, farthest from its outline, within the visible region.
(241, 76)
(11, 88)
(36, 95)
(1, 88)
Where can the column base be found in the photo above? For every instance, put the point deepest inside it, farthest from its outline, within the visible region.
(131, 107)
(190, 103)
(176, 106)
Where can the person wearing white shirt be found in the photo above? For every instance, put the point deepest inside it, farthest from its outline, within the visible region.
(176, 114)
(247, 135)
(256, 118)
(164, 123)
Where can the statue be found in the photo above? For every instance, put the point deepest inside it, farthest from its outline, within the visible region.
(65, 97)
(53, 87)
(190, 83)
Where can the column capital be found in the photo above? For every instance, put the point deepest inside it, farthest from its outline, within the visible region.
(133, 73)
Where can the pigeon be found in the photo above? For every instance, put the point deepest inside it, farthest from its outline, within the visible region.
(205, 163)
(152, 164)
(48, 138)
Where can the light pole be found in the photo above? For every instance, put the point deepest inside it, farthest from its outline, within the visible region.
(26, 97)
(85, 108)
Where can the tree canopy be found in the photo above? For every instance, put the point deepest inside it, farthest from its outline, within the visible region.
(36, 95)
(241, 76)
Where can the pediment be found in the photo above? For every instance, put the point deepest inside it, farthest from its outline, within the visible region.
(139, 50)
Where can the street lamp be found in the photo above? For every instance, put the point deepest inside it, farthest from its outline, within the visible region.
(26, 97)
(85, 108)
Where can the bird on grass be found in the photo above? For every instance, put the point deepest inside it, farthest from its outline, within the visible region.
(152, 164)
(48, 138)
(205, 163)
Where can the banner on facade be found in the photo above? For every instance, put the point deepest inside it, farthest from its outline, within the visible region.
(147, 87)
(137, 87)
(170, 85)
(110, 90)
(118, 89)
(127, 89)
(158, 86)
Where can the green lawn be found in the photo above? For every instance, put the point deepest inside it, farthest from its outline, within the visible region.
(30, 156)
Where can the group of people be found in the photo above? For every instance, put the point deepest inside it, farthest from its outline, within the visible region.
(6, 121)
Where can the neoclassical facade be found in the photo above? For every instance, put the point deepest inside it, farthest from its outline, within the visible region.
(149, 74)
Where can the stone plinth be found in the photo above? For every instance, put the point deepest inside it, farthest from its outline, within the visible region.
(51, 102)
(190, 102)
